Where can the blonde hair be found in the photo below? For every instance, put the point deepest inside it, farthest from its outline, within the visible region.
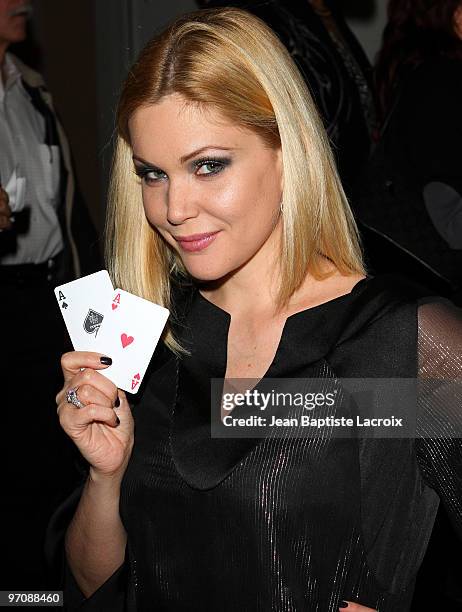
(231, 60)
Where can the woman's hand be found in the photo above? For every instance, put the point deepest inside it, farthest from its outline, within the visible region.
(355, 607)
(104, 442)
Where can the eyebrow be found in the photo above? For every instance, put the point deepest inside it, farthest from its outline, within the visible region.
(187, 157)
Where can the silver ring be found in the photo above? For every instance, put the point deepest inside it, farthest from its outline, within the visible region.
(71, 398)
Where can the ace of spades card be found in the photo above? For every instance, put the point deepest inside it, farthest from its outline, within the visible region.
(84, 304)
(130, 335)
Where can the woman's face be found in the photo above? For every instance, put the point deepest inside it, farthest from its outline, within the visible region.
(212, 190)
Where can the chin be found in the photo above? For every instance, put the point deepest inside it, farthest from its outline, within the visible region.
(206, 274)
(215, 268)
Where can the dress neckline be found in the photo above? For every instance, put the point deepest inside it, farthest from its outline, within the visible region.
(225, 314)
(291, 333)
(309, 340)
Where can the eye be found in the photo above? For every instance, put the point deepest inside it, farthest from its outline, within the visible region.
(207, 167)
(150, 176)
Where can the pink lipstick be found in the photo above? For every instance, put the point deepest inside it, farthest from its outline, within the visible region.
(195, 242)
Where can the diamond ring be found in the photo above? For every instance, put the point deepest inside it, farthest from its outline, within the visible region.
(71, 397)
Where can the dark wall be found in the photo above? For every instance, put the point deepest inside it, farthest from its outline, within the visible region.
(122, 32)
(358, 9)
(65, 32)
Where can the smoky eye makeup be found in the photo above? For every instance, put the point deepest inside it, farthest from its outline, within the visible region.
(210, 165)
(203, 167)
(144, 171)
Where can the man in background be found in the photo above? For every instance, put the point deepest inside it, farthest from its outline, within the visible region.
(45, 239)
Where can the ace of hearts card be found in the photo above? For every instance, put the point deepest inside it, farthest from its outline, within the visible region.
(130, 335)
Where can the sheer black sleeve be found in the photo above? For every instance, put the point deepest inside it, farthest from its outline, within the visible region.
(439, 443)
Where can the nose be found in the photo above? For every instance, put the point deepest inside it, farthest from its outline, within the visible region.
(181, 202)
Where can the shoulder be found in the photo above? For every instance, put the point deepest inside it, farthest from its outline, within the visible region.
(375, 329)
(386, 301)
(399, 302)
(30, 76)
(389, 290)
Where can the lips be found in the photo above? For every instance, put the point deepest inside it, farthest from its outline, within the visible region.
(196, 242)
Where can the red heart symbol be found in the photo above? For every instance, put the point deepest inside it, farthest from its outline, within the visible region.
(114, 306)
(126, 340)
(137, 376)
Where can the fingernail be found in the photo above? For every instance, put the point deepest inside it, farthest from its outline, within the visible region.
(117, 402)
(105, 360)
(117, 421)
(343, 604)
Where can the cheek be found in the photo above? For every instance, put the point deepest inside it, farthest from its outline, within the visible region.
(226, 201)
(262, 197)
(3, 25)
(154, 208)
(156, 213)
(251, 201)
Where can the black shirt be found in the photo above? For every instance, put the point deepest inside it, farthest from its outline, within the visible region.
(284, 523)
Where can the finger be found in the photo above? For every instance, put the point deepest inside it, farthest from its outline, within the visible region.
(75, 361)
(73, 419)
(95, 380)
(122, 408)
(122, 397)
(354, 607)
(88, 394)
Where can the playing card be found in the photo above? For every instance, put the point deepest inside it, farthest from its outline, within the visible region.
(84, 304)
(129, 336)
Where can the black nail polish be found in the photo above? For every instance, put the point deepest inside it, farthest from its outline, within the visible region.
(117, 402)
(105, 360)
(343, 604)
(117, 421)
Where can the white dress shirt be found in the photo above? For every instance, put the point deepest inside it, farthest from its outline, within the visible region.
(24, 155)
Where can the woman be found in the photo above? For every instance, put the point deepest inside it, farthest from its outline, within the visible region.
(410, 197)
(237, 222)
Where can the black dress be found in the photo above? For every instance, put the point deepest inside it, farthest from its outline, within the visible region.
(283, 523)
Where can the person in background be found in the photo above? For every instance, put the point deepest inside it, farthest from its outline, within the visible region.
(334, 66)
(41, 219)
(409, 198)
